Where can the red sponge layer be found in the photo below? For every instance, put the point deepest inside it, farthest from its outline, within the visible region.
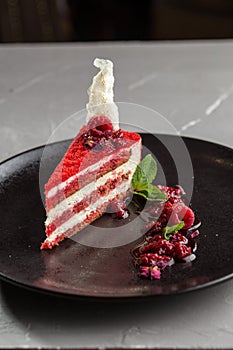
(90, 218)
(79, 156)
(82, 180)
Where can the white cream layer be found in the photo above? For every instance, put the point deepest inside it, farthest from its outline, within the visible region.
(94, 167)
(69, 202)
(81, 216)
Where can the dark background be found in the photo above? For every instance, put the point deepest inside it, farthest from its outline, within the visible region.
(101, 20)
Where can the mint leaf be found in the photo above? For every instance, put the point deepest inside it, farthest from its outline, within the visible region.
(139, 180)
(169, 231)
(142, 181)
(155, 194)
(149, 167)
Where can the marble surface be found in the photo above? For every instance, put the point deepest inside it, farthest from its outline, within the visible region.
(191, 84)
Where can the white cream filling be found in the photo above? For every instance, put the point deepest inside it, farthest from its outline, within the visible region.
(68, 203)
(78, 196)
(81, 216)
(91, 168)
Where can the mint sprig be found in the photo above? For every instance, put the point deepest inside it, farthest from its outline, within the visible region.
(142, 179)
(154, 194)
(139, 180)
(149, 167)
(169, 231)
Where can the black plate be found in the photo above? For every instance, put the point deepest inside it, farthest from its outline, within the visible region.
(85, 272)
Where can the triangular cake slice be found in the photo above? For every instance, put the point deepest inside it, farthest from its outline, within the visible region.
(97, 168)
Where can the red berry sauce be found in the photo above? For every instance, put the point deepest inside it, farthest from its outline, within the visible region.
(156, 252)
(99, 139)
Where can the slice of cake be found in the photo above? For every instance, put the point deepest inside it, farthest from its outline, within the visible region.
(97, 168)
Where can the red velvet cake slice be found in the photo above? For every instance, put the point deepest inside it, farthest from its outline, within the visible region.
(97, 168)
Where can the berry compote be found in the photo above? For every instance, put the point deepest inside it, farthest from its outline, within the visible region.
(157, 251)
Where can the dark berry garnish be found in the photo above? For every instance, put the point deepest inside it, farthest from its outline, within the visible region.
(188, 218)
(116, 206)
(195, 234)
(122, 214)
(118, 210)
(181, 251)
(152, 272)
(100, 135)
(100, 123)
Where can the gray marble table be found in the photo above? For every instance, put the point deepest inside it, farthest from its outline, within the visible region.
(191, 84)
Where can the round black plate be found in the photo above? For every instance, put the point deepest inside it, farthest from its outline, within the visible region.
(80, 271)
